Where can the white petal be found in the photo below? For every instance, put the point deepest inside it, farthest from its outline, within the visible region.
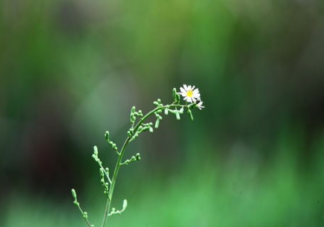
(197, 96)
(189, 99)
(200, 106)
(196, 92)
(182, 90)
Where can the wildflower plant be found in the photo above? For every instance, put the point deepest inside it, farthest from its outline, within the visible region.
(139, 124)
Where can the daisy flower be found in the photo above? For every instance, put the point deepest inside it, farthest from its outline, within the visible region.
(189, 93)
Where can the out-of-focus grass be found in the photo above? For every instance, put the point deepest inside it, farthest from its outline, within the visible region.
(235, 194)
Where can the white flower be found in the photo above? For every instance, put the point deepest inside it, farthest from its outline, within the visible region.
(189, 93)
(199, 105)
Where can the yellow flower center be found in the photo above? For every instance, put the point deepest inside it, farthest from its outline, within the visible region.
(190, 93)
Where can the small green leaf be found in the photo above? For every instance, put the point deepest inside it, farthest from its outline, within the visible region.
(177, 115)
(174, 95)
(190, 114)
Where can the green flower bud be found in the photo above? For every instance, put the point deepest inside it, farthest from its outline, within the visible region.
(124, 204)
(74, 193)
(157, 123)
(138, 157)
(102, 172)
(107, 135)
(95, 150)
(133, 110)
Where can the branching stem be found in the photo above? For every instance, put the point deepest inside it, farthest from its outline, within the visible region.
(121, 154)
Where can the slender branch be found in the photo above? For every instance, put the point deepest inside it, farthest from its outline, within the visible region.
(85, 218)
(84, 214)
(121, 154)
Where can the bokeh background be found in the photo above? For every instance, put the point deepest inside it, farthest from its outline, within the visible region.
(72, 69)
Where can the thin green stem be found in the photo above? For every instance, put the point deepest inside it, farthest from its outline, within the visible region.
(120, 158)
(85, 218)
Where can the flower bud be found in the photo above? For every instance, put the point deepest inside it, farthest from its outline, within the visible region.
(133, 110)
(138, 157)
(74, 193)
(95, 150)
(157, 123)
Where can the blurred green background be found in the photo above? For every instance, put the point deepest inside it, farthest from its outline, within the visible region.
(72, 69)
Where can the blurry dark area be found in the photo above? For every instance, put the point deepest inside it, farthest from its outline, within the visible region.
(70, 70)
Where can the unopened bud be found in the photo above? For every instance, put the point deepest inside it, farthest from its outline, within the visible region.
(133, 110)
(74, 193)
(95, 150)
(107, 135)
(138, 157)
